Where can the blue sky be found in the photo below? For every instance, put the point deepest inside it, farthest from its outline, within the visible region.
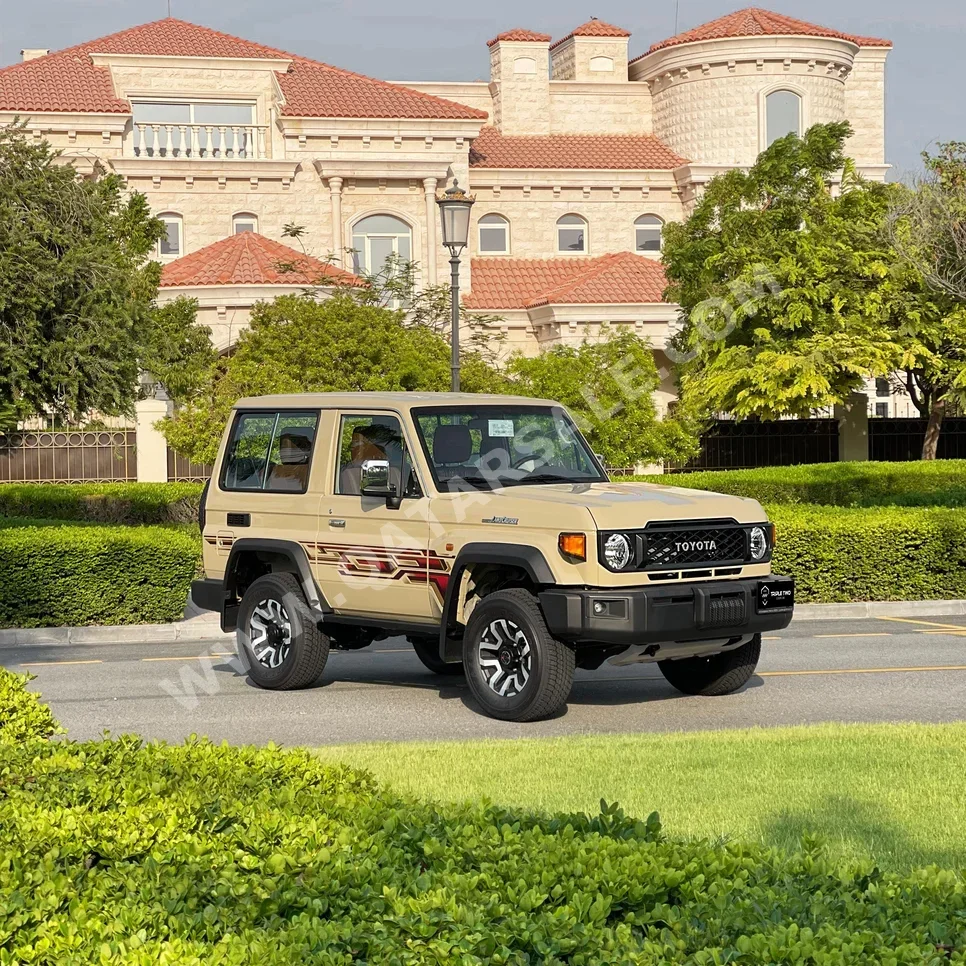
(422, 40)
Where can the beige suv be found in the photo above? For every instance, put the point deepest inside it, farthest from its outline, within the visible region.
(483, 529)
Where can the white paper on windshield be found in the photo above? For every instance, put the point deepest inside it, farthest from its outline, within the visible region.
(501, 428)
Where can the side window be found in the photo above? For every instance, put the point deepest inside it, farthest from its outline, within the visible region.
(270, 451)
(374, 437)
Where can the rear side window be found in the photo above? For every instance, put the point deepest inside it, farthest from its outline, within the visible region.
(270, 451)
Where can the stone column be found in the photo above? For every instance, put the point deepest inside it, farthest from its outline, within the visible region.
(432, 216)
(152, 448)
(338, 242)
(853, 417)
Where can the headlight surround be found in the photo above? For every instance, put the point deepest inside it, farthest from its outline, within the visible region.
(758, 543)
(618, 551)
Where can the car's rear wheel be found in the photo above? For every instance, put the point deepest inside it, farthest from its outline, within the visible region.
(427, 650)
(515, 668)
(278, 638)
(719, 674)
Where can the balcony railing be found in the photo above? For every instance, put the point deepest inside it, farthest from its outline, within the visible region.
(223, 142)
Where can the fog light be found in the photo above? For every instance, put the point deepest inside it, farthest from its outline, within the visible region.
(599, 608)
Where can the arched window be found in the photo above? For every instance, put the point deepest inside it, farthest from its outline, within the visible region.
(494, 235)
(243, 221)
(783, 115)
(571, 234)
(171, 244)
(647, 233)
(376, 239)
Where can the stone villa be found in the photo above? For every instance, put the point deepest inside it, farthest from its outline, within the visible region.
(576, 153)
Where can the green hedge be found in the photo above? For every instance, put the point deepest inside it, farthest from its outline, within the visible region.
(117, 852)
(125, 503)
(844, 554)
(22, 715)
(74, 575)
(939, 483)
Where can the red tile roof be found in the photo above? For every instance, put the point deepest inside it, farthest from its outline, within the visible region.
(68, 80)
(252, 259)
(755, 22)
(608, 151)
(519, 34)
(593, 28)
(516, 283)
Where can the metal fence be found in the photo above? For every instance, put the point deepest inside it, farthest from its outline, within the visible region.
(182, 470)
(900, 440)
(68, 456)
(744, 444)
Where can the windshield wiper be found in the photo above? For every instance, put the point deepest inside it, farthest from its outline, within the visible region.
(548, 478)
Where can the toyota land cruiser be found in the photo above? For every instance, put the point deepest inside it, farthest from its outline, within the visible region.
(483, 529)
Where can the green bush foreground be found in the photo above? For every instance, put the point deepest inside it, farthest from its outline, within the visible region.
(116, 852)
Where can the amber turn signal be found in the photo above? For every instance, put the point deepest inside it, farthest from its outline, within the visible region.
(573, 545)
(774, 536)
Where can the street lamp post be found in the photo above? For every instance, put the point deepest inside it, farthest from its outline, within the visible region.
(454, 211)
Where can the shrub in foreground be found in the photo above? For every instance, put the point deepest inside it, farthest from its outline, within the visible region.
(118, 852)
(76, 575)
(22, 714)
(940, 483)
(123, 503)
(885, 553)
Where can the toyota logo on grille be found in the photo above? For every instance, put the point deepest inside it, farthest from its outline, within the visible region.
(685, 546)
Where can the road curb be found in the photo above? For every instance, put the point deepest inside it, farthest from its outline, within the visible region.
(202, 629)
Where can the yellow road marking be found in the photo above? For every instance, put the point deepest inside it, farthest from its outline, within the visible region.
(950, 633)
(909, 620)
(883, 634)
(771, 638)
(187, 657)
(56, 663)
(861, 670)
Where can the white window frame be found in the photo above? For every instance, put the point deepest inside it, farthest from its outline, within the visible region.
(480, 228)
(243, 216)
(569, 251)
(168, 217)
(803, 113)
(192, 101)
(660, 236)
(395, 236)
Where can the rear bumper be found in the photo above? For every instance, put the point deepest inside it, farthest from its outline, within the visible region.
(672, 613)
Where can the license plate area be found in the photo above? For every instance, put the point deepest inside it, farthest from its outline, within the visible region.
(775, 595)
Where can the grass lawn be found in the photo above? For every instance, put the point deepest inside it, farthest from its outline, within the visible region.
(895, 792)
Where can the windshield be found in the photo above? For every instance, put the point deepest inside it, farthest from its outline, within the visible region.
(490, 446)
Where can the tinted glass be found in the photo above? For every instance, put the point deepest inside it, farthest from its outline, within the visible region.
(270, 451)
(782, 115)
(373, 437)
(171, 239)
(571, 239)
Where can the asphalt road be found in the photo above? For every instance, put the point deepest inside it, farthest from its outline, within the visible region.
(871, 670)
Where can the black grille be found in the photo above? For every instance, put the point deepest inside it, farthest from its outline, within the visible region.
(687, 547)
(726, 611)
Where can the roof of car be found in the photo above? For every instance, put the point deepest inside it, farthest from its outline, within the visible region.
(393, 400)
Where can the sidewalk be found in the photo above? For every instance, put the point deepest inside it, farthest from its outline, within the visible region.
(204, 626)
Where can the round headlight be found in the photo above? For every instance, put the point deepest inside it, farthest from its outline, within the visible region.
(617, 551)
(759, 543)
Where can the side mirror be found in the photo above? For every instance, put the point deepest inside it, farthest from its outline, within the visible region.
(375, 478)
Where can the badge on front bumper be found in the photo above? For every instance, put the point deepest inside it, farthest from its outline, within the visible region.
(774, 594)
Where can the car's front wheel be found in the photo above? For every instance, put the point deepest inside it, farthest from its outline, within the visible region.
(279, 640)
(719, 674)
(515, 668)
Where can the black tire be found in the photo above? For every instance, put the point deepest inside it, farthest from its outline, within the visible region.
(719, 674)
(511, 621)
(427, 650)
(288, 659)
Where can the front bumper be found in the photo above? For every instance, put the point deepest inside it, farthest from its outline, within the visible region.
(672, 613)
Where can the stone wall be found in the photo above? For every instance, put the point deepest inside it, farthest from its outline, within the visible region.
(865, 106)
(578, 107)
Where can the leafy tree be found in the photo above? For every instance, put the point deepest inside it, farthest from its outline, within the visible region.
(928, 227)
(300, 344)
(789, 290)
(178, 352)
(76, 286)
(608, 385)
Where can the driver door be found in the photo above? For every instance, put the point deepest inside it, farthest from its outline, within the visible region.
(375, 558)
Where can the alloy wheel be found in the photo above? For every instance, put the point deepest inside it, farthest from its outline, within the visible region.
(270, 633)
(505, 657)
